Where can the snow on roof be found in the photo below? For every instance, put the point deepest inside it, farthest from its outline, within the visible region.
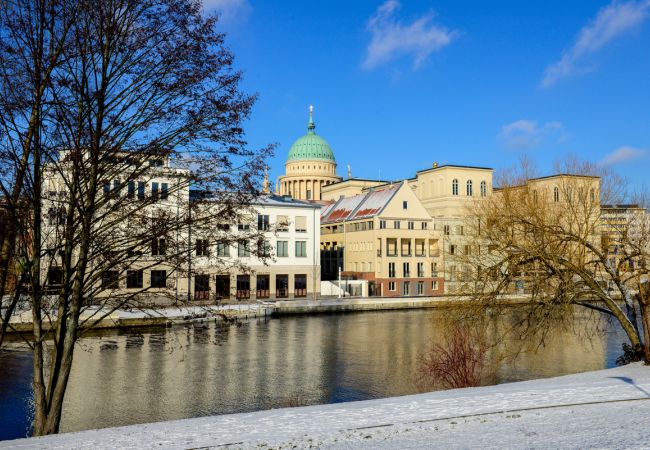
(374, 202)
(361, 206)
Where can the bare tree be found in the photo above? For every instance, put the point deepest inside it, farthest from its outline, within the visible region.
(551, 239)
(144, 109)
(34, 36)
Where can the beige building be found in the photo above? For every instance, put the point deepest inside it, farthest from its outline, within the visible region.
(348, 188)
(310, 166)
(447, 193)
(385, 236)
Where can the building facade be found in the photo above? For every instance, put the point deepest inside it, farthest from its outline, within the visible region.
(310, 166)
(283, 264)
(385, 236)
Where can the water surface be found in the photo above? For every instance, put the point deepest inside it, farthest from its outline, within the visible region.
(147, 375)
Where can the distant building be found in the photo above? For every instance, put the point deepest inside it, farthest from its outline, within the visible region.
(310, 166)
(621, 224)
(290, 243)
(385, 236)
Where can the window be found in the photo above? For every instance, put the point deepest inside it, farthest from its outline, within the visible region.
(158, 278)
(243, 286)
(107, 188)
(156, 162)
(391, 270)
(434, 269)
(467, 250)
(154, 191)
(420, 270)
(382, 224)
(262, 285)
(264, 248)
(308, 194)
(300, 285)
(434, 285)
(282, 249)
(424, 225)
(223, 249)
(406, 247)
(130, 190)
(592, 195)
(483, 189)
(158, 247)
(452, 249)
(556, 194)
(396, 224)
(406, 270)
(222, 286)
(470, 188)
(391, 247)
(301, 249)
(460, 230)
(446, 229)
(134, 279)
(419, 247)
(243, 249)
(243, 226)
(405, 205)
(452, 273)
(202, 247)
(454, 187)
(117, 186)
(411, 225)
(406, 288)
(282, 286)
(301, 224)
(420, 287)
(262, 222)
(201, 287)
(164, 191)
(141, 190)
(110, 279)
(282, 223)
(391, 286)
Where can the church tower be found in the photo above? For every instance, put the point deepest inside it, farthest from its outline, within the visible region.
(310, 165)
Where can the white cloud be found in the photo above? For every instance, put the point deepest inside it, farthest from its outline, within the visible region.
(391, 38)
(611, 22)
(525, 134)
(622, 155)
(228, 10)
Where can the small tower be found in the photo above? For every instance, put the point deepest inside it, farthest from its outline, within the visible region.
(265, 184)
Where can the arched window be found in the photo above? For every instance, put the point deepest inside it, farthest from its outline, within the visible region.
(470, 188)
(483, 189)
(556, 194)
(454, 187)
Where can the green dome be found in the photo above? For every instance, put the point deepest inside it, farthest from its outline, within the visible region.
(310, 146)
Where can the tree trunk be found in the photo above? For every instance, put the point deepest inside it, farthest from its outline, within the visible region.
(644, 306)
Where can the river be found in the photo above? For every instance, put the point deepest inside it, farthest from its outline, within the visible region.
(148, 375)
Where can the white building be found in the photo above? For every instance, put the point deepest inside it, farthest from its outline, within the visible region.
(284, 263)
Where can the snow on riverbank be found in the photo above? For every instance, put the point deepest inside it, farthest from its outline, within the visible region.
(605, 409)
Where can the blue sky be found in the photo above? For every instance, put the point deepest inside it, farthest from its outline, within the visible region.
(398, 85)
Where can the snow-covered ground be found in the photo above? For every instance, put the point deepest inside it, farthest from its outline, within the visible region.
(172, 312)
(604, 409)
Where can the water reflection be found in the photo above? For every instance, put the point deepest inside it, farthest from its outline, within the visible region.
(154, 375)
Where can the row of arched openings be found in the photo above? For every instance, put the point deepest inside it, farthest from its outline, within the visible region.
(469, 188)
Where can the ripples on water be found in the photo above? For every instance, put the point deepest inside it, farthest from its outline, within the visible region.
(149, 375)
